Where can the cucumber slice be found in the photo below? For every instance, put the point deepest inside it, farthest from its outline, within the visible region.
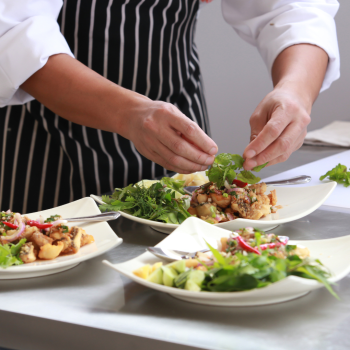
(196, 276)
(192, 286)
(169, 275)
(179, 266)
(156, 276)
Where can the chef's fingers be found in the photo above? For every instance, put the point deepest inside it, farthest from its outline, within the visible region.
(284, 157)
(281, 148)
(183, 149)
(163, 156)
(270, 132)
(192, 132)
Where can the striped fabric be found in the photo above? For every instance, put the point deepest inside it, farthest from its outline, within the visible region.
(143, 45)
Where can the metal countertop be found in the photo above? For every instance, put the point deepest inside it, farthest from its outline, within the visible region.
(93, 307)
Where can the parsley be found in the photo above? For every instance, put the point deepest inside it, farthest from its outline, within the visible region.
(338, 174)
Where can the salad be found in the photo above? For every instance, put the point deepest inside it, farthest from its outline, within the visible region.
(248, 259)
(231, 193)
(23, 241)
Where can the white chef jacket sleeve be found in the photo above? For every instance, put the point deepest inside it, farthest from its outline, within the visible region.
(29, 35)
(274, 25)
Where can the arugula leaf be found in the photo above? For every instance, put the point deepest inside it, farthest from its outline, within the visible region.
(247, 176)
(339, 174)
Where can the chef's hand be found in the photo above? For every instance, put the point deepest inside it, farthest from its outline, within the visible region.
(278, 128)
(164, 135)
(278, 125)
(159, 130)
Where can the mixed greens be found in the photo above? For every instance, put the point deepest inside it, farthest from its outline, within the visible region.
(157, 202)
(226, 167)
(242, 262)
(338, 174)
(9, 254)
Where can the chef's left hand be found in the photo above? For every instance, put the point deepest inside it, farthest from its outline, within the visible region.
(278, 128)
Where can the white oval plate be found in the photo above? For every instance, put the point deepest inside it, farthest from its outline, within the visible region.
(105, 239)
(333, 253)
(296, 202)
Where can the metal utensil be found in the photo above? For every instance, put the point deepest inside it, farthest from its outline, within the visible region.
(302, 179)
(111, 215)
(172, 255)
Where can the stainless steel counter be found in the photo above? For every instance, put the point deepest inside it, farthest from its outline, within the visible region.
(92, 307)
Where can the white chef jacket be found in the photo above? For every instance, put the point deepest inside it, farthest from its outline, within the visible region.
(29, 35)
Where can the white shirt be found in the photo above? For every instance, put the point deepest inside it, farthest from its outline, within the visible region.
(29, 35)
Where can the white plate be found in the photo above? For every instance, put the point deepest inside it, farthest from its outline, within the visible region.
(296, 203)
(105, 239)
(333, 253)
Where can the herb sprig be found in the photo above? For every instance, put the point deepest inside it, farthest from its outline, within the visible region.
(157, 202)
(226, 167)
(338, 174)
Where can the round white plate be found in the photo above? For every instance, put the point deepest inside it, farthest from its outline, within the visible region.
(295, 202)
(190, 236)
(105, 239)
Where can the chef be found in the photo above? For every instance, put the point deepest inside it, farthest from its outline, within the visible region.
(99, 94)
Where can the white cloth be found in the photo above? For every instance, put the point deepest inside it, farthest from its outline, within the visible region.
(29, 35)
(334, 134)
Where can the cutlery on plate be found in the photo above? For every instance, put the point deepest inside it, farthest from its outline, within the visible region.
(298, 180)
(111, 215)
(172, 255)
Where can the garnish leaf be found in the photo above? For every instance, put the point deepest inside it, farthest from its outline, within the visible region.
(259, 167)
(339, 174)
(247, 176)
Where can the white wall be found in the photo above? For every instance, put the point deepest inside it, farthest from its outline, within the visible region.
(236, 79)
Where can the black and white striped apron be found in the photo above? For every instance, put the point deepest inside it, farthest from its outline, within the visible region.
(143, 45)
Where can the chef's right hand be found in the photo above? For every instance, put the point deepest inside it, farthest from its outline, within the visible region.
(166, 136)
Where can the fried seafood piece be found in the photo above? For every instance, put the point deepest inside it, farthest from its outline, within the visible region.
(57, 232)
(220, 200)
(49, 251)
(260, 188)
(86, 239)
(76, 234)
(273, 197)
(39, 239)
(29, 231)
(27, 253)
(204, 209)
(253, 211)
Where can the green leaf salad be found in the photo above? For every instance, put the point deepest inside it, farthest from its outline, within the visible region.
(9, 254)
(157, 202)
(249, 260)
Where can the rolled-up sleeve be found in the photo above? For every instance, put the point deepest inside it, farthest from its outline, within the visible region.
(29, 35)
(274, 25)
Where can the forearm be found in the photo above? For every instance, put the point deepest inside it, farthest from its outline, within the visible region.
(75, 92)
(300, 69)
